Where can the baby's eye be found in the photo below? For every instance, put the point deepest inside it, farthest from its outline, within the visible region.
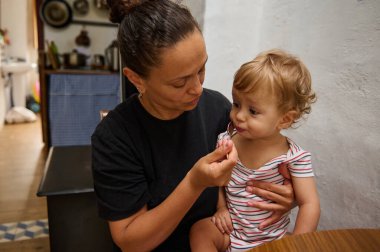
(234, 104)
(253, 111)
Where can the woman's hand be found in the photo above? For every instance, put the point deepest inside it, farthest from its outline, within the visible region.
(281, 195)
(222, 220)
(215, 168)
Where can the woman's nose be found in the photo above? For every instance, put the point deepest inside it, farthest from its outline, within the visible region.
(196, 87)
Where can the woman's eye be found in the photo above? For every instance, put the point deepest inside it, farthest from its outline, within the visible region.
(180, 84)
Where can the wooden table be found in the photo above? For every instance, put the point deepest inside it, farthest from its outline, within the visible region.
(345, 240)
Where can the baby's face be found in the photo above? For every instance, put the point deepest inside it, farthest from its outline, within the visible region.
(255, 115)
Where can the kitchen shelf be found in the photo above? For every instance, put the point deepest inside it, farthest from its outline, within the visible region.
(79, 71)
(94, 23)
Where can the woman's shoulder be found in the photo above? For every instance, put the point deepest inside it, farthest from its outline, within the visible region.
(215, 95)
(118, 119)
(215, 100)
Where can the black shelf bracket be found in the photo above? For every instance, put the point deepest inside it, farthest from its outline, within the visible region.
(94, 23)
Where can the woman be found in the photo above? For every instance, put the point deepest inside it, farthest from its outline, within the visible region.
(155, 166)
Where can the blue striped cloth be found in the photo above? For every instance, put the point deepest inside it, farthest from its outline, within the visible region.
(74, 105)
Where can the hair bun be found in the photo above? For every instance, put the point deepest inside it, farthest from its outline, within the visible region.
(120, 8)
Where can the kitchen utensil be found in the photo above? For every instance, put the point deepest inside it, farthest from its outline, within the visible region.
(98, 61)
(101, 4)
(81, 6)
(82, 39)
(74, 59)
(56, 13)
(112, 56)
(53, 54)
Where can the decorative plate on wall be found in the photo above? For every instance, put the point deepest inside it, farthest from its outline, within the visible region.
(56, 13)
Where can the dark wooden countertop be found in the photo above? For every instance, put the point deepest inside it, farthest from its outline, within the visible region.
(67, 171)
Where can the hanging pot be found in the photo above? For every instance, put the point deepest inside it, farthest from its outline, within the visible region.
(56, 13)
(101, 4)
(81, 6)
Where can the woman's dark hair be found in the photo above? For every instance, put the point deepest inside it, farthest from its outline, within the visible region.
(148, 26)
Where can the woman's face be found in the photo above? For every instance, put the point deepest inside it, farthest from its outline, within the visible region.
(175, 85)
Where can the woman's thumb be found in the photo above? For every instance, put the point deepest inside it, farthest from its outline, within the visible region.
(221, 152)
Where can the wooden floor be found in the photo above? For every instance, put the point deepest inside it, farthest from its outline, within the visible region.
(22, 159)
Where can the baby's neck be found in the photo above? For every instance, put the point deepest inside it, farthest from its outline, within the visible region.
(256, 153)
(267, 143)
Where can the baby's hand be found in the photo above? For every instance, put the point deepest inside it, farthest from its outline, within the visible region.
(222, 220)
(221, 143)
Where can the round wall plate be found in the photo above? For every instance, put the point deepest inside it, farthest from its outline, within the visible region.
(56, 13)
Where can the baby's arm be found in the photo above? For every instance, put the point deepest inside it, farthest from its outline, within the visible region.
(307, 198)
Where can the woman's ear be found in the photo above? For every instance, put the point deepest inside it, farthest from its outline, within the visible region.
(135, 78)
(288, 119)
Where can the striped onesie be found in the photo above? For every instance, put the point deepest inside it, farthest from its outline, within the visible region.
(246, 219)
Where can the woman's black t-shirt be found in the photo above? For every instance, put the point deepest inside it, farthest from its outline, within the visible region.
(139, 160)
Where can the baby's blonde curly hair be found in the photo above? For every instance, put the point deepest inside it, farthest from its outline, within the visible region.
(281, 73)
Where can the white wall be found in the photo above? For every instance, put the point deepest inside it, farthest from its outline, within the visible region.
(339, 42)
(14, 17)
(197, 8)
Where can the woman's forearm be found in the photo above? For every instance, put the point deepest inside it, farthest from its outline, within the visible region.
(150, 228)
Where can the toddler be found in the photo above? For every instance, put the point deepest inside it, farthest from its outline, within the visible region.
(270, 93)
